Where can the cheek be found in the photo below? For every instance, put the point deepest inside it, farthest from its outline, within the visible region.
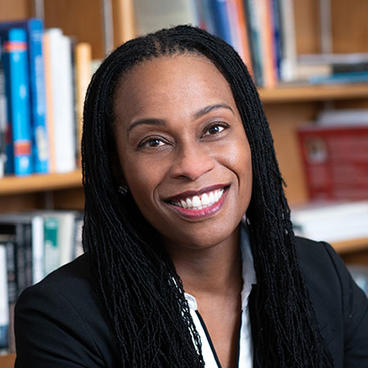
(142, 178)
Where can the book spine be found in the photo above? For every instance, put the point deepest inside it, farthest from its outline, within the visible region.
(277, 37)
(221, 20)
(49, 101)
(14, 52)
(207, 21)
(20, 258)
(125, 28)
(52, 250)
(38, 251)
(243, 35)
(12, 291)
(4, 306)
(83, 60)
(38, 99)
(3, 119)
(289, 59)
(62, 101)
(253, 23)
(28, 269)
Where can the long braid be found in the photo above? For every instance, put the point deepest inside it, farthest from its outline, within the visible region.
(134, 276)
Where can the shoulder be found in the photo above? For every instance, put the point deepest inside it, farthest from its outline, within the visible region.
(71, 283)
(340, 306)
(62, 315)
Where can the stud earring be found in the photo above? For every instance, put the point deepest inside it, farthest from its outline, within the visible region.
(123, 189)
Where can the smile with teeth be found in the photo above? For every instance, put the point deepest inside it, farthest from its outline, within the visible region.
(199, 202)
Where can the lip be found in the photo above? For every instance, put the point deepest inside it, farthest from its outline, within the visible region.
(192, 193)
(191, 214)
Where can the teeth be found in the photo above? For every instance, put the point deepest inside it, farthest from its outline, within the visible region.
(199, 202)
(205, 199)
(196, 202)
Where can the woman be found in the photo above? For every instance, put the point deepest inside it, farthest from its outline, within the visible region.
(176, 150)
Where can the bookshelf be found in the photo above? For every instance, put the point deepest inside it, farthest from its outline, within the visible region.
(38, 183)
(286, 106)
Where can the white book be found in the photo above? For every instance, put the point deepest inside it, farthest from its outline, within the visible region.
(67, 228)
(62, 97)
(4, 304)
(343, 117)
(38, 250)
(332, 221)
(154, 15)
(289, 57)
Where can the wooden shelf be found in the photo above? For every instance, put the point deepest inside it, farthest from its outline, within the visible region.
(290, 93)
(37, 183)
(7, 361)
(351, 245)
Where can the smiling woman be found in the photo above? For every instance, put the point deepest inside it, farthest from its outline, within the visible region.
(191, 260)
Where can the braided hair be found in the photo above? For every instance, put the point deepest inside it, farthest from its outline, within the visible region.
(136, 279)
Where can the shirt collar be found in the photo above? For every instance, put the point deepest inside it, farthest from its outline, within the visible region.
(249, 274)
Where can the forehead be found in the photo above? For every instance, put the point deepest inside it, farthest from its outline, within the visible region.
(171, 83)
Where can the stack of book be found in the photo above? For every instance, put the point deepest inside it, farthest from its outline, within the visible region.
(31, 246)
(262, 31)
(43, 76)
(331, 221)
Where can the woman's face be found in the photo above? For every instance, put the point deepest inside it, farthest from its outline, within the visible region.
(182, 148)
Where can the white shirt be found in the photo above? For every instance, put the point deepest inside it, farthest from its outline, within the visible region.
(245, 339)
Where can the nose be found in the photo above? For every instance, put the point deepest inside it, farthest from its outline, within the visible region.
(191, 162)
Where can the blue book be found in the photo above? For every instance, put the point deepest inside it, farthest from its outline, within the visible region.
(353, 77)
(15, 63)
(221, 20)
(254, 40)
(34, 31)
(205, 15)
(3, 118)
(276, 17)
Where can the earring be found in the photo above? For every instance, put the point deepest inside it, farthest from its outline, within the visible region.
(123, 189)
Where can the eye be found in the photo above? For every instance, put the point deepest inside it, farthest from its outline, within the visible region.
(153, 142)
(215, 128)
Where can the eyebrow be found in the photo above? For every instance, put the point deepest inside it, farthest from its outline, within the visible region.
(209, 108)
(196, 115)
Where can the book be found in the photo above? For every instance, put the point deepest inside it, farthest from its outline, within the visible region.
(125, 28)
(52, 246)
(34, 32)
(19, 227)
(19, 138)
(151, 16)
(289, 56)
(9, 242)
(220, 14)
(83, 60)
(4, 307)
(3, 119)
(244, 46)
(335, 160)
(331, 221)
(267, 43)
(59, 87)
(253, 23)
(205, 18)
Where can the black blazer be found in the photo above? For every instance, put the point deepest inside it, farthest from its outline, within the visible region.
(59, 323)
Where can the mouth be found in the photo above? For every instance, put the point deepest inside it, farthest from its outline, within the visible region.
(204, 203)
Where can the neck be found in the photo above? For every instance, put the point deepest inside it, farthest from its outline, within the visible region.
(216, 270)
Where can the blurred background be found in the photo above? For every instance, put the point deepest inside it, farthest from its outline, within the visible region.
(308, 58)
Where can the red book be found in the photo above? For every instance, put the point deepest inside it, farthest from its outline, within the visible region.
(335, 161)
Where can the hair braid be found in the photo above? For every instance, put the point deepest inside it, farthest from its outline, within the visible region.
(135, 278)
